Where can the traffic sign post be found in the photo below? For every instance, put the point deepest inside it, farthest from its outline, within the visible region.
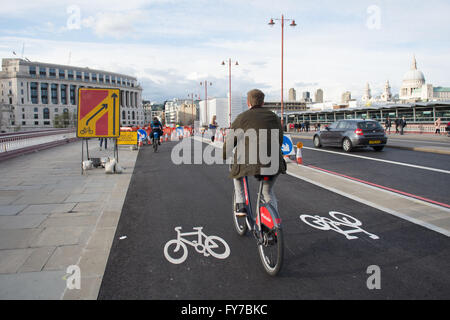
(98, 116)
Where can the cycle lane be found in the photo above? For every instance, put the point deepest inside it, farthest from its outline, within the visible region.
(318, 264)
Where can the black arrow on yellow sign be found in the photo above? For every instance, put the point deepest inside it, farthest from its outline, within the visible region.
(105, 106)
(114, 96)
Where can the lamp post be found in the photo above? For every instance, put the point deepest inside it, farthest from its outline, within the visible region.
(192, 95)
(205, 83)
(292, 24)
(229, 86)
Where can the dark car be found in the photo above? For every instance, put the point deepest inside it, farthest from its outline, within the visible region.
(351, 134)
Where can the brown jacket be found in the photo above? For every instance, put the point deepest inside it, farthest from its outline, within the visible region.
(256, 118)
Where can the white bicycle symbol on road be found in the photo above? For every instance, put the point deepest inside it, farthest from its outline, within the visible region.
(207, 248)
(342, 220)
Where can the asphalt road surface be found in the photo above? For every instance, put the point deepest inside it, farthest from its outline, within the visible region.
(413, 261)
(423, 182)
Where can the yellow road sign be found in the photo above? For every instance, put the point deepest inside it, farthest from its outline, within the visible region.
(127, 138)
(98, 113)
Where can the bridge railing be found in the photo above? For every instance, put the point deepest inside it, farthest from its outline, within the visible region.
(19, 141)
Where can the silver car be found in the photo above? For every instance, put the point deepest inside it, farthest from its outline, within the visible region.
(351, 134)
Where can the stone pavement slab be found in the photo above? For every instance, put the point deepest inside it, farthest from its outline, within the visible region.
(52, 217)
(42, 285)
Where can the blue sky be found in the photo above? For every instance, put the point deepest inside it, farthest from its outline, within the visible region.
(172, 45)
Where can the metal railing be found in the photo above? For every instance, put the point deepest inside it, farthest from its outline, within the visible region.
(24, 140)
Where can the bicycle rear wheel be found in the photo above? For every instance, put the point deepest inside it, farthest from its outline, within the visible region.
(271, 251)
(240, 223)
(155, 145)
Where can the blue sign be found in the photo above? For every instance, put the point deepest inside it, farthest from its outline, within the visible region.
(142, 134)
(288, 147)
(180, 131)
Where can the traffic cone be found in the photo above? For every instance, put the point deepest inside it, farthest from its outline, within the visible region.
(299, 153)
(167, 137)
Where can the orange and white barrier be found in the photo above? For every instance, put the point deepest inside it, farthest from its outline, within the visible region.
(299, 153)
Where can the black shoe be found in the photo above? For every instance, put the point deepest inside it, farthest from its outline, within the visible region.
(240, 210)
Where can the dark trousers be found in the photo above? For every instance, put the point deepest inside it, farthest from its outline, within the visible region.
(106, 142)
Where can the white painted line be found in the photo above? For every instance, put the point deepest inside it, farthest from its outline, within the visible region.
(376, 206)
(381, 160)
(419, 141)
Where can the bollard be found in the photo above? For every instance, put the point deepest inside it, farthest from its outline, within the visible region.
(299, 153)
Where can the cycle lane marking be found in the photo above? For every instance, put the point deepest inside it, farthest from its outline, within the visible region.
(341, 220)
(203, 245)
(372, 204)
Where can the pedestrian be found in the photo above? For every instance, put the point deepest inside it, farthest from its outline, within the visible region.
(302, 127)
(106, 143)
(397, 123)
(388, 125)
(403, 124)
(307, 125)
(318, 126)
(213, 127)
(296, 127)
(437, 126)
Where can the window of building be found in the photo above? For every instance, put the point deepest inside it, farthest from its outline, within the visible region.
(22, 101)
(52, 73)
(42, 71)
(94, 77)
(46, 113)
(72, 94)
(107, 79)
(79, 75)
(46, 123)
(35, 109)
(23, 115)
(87, 76)
(24, 123)
(113, 80)
(36, 116)
(54, 93)
(70, 74)
(101, 77)
(32, 71)
(36, 123)
(62, 74)
(34, 92)
(44, 93)
(63, 94)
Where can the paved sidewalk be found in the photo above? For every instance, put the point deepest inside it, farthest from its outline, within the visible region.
(52, 217)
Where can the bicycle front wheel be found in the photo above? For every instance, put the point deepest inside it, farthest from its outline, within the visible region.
(271, 250)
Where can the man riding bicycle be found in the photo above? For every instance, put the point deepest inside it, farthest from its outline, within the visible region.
(260, 120)
(156, 126)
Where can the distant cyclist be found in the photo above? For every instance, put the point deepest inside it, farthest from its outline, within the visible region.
(156, 127)
(256, 118)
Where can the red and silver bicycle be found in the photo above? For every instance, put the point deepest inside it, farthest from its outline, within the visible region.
(266, 227)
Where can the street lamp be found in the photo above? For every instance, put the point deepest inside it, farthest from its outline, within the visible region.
(229, 84)
(292, 24)
(192, 95)
(205, 83)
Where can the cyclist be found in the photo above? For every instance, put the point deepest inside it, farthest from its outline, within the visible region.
(255, 118)
(156, 126)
